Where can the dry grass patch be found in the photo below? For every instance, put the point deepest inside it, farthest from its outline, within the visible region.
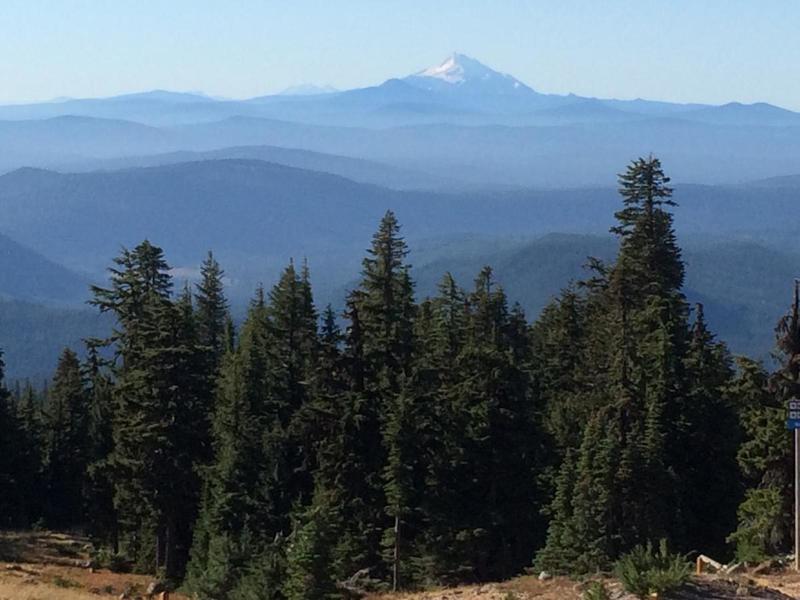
(55, 566)
(522, 588)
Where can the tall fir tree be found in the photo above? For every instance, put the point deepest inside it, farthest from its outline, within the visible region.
(658, 384)
(155, 414)
(66, 449)
(211, 323)
(230, 524)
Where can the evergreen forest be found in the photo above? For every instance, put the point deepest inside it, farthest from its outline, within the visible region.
(403, 442)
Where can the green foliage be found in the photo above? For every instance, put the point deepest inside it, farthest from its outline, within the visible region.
(765, 456)
(114, 562)
(66, 429)
(596, 590)
(763, 525)
(635, 399)
(158, 423)
(308, 575)
(644, 570)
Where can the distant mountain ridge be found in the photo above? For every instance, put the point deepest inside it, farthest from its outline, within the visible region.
(256, 214)
(573, 150)
(458, 120)
(360, 170)
(459, 79)
(308, 89)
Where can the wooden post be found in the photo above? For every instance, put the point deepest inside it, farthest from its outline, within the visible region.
(795, 309)
(797, 499)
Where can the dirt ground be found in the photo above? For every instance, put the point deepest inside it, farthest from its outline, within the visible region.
(55, 566)
(779, 587)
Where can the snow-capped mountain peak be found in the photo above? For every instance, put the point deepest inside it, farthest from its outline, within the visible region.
(459, 71)
(451, 70)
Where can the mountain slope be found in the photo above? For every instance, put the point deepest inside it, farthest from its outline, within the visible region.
(742, 284)
(461, 74)
(361, 170)
(254, 210)
(32, 336)
(736, 113)
(567, 154)
(26, 275)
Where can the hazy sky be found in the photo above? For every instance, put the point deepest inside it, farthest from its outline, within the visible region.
(681, 50)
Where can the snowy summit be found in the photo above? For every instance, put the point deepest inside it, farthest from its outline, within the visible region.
(459, 71)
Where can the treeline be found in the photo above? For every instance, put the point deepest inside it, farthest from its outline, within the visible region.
(404, 443)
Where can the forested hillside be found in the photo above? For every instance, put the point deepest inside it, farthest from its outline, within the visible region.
(410, 440)
(738, 240)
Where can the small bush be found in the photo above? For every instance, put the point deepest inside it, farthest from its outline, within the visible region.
(596, 590)
(116, 563)
(644, 570)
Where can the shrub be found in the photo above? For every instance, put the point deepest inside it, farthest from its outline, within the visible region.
(596, 590)
(644, 570)
(116, 563)
(763, 526)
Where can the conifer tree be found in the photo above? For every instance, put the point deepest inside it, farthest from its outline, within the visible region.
(66, 448)
(211, 331)
(13, 512)
(597, 508)
(765, 456)
(230, 525)
(651, 316)
(560, 365)
(561, 549)
(293, 329)
(101, 516)
(659, 386)
(308, 574)
(212, 312)
(711, 441)
(491, 453)
(386, 305)
(29, 452)
(155, 415)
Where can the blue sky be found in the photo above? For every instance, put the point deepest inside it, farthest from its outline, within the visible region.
(679, 50)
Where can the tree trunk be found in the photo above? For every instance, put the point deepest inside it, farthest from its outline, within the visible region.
(168, 553)
(396, 561)
(158, 551)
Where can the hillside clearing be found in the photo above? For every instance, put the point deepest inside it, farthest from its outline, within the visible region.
(56, 566)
